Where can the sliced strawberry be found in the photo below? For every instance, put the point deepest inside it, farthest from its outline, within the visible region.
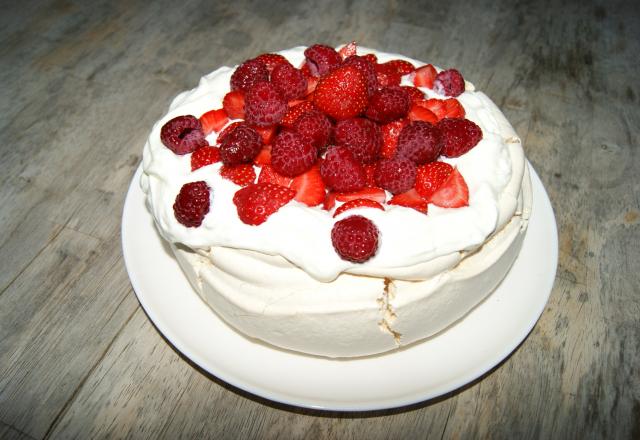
(371, 193)
(309, 186)
(415, 94)
(443, 108)
(430, 177)
(266, 133)
(329, 201)
(348, 49)
(256, 202)
(453, 193)
(312, 83)
(233, 104)
(357, 203)
(228, 129)
(204, 156)
(264, 156)
(213, 120)
(242, 174)
(390, 133)
(419, 113)
(269, 175)
(369, 172)
(410, 199)
(425, 76)
(293, 113)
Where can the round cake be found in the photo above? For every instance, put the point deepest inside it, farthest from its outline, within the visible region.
(338, 202)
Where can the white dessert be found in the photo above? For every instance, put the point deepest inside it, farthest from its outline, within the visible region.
(282, 282)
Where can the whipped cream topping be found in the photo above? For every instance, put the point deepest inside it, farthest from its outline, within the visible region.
(413, 246)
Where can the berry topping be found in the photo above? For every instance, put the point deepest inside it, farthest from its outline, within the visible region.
(256, 202)
(342, 93)
(425, 76)
(309, 187)
(367, 69)
(449, 83)
(387, 75)
(264, 105)
(297, 110)
(458, 136)
(264, 156)
(430, 177)
(233, 104)
(192, 204)
(268, 175)
(240, 145)
(213, 120)
(388, 104)
(271, 60)
(370, 193)
(321, 59)
(419, 141)
(357, 203)
(341, 171)
(396, 175)
(183, 135)
(204, 156)
(292, 154)
(291, 83)
(453, 193)
(355, 238)
(390, 134)
(362, 136)
(443, 108)
(419, 113)
(410, 199)
(314, 126)
(228, 129)
(249, 73)
(369, 172)
(348, 50)
(267, 134)
(242, 174)
(415, 94)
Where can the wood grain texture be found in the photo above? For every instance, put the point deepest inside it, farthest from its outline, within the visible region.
(82, 86)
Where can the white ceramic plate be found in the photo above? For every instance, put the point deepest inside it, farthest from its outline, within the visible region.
(422, 371)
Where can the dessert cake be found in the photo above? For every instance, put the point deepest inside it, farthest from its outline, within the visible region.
(338, 203)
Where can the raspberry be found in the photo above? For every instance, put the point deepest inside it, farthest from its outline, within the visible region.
(367, 70)
(390, 134)
(396, 175)
(289, 81)
(458, 136)
(316, 127)
(295, 111)
(342, 93)
(249, 73)
(240, 145)
(355, 238)
(415, 94)
(271, 60)
(362, 136)
(192, 204)
(292, 154)
(183, 134)
(419, 141)
(449, 83)
(388, 104)
(341, 171)
(264, 105)
(322, 59)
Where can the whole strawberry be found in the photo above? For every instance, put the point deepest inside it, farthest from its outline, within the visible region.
(362, 136)
(458, 136)
(367, 70)
(183, 135)
(355, 238)
(419, 141)
(192, 204)
(341, 171)
(342, 93)
(240, 145)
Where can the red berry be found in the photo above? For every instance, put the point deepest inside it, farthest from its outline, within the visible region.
(396, 175)
(357, 203)
(264, 156)
(410, 199)
(321, 59)
(370, 193)
(449, 83)
(249, 73)
(264, 105)
(256, 202)
(453, 193)
(289, 81)
(388, 104)
(387, 75)
(420, 113)
(268, 175)
(430, 177)
(213, 120)
(192, 204)
(348, 50)
(362, 136)
(233, 104)
(414, 93)
(267, 134)
(228, 129)
(401, 67)
(419, 141)
(367, 69)
(369, 172)
(271, 60)
(183, 135)
(242, 174)
(443, 108)
(316, 127)
(424, 76)
(297, 110)
(241, 145)
(309, 187)
(390, 134)
(372, 58)
(342, 93)
(458, 136)
(204, 156)
(355, 238)
(341, 171)
(292, 154)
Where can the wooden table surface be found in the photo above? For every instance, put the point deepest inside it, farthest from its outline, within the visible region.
(80, 87)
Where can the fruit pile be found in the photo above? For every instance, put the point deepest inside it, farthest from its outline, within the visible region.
(338, 130)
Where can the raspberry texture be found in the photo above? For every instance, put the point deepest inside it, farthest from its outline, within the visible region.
(458, 136)
(341, 171)
(419, 141)
(183, 134)
(289, 81)
(355, 238)
(321, 59)
(367, 70)
(362, 136)
(449, 83)
(292, 154)
(271, 60)
(249, 73)
(388, 104)
(342, 93)
(396, 175)
(264, 105)
(192, 204)
(240, 145)
(316, 127)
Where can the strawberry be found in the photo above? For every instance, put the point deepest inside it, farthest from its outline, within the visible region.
(371, 193)
(269, 175)
(312, 83)
(329, 201)
(271, 60)
(357, 203)
(267, 134)
(294, 112)
(425, 76)
(309, 187)
(443, 108)
(233, 104)
(342, 93)
(419, 113)
(242, 174)
(213, 120)
(372, 58)
(453, 193)
(410, 199)
(264, 156)
(387, 76)
(390, 133)
(256, 202)
(401, 67)
(415, 94)
(348, 49)
(204, 156)
(430, 177)
(369, 172)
